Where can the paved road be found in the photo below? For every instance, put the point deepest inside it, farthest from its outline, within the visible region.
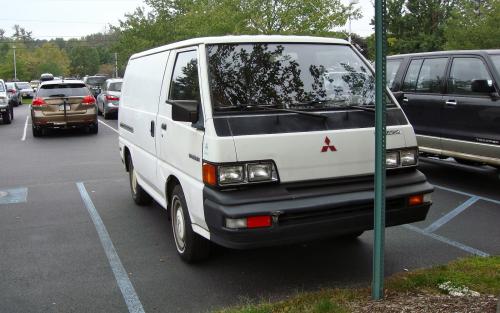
(55, 256)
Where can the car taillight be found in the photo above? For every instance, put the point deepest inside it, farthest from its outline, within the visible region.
(88, 100)
(38, 102)
(112, 98)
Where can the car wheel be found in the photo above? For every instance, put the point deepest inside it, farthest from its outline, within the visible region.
(105, 115)
(190, 246)
(99, 112)
(6, 118)
(140, 196)
(37, 132)
(12, 113)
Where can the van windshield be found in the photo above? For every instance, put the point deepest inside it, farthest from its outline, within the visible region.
(288, 76)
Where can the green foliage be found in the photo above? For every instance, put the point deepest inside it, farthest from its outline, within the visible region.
(474, 25)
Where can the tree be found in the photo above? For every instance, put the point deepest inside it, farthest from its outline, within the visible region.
(474, 25)
(417, 25)
(83, 60)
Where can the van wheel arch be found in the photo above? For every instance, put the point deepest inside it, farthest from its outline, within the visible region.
(126, 156)
(172, 181)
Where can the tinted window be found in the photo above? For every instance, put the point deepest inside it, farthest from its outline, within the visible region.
(63, 90)
(463, 72)
(184, 85)
(115, 86)
(431, 75)
(410, 82)
(97, 80)
(392, 69)
(23, 86)
(293, 76)
(496, 61)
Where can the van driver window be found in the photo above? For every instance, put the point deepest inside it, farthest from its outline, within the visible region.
(184, 84)
(463, 72)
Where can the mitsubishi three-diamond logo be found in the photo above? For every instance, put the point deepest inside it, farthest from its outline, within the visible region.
(327, 146)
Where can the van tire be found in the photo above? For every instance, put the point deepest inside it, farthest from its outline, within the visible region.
(190, 246)
(140, 196)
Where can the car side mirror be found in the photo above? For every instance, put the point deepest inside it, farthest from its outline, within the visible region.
(185, 111)
(482, 86)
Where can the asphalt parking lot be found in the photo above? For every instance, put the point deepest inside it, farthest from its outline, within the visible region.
(72, 239)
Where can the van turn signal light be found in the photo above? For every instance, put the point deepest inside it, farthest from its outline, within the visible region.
(415, 200)
(209, 174)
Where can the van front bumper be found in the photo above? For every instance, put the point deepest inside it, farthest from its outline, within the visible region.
(311, 210)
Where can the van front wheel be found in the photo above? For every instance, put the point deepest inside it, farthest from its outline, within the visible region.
(190, 246)
(140, 196)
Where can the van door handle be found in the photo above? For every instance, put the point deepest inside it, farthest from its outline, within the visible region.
(405, 99)
(451, 103)
(152, 129)
(164, 126)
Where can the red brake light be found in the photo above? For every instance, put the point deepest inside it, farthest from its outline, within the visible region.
(259, 221)
(37, 102)
(88, 100)
(112, 98)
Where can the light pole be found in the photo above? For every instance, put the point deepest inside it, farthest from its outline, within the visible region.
(15, 65)
(351, 4)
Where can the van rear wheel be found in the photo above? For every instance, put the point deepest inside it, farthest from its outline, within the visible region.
(140, 196)
(190, 246)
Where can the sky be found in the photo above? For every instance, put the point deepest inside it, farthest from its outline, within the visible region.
(76, 18)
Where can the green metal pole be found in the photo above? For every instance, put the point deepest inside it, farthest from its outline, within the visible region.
(380, 133)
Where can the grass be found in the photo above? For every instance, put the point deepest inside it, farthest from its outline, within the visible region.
(477, 273)
(27, 100)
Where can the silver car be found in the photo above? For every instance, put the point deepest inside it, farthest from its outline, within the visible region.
(25, 89)
(109, 98)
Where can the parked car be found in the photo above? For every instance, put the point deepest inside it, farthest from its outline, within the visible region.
(6, 109)
(109, 98)
(14, 95)
(34, 84)
(279, 154)
(46, 77)
(452, 100)
(94, 83)
(24, 89)
(63, 104)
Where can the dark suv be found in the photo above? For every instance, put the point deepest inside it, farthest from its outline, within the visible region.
(94, 83)
(452, 100)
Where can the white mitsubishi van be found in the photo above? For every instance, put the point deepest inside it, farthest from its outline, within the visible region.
(253, 141)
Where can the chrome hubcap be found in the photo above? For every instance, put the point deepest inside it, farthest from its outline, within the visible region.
(179, 226)
(134, 181)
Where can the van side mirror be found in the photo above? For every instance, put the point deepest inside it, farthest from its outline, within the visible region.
(482, 86)
(185, 111)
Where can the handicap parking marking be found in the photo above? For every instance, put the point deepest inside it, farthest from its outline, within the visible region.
(467, 194)
(450, 215)
(131, 298)
(448, 241)
(14, 195)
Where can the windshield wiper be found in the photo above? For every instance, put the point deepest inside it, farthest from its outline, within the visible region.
(273, 108)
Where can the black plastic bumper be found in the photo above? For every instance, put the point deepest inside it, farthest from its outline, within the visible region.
(310, 210)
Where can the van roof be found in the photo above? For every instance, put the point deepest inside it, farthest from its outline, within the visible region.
(241, 39)
(491, 51)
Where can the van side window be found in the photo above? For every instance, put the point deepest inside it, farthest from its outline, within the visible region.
(431, 75)
(392, 70)
(410, 81)
(184, 84)
(463, 72)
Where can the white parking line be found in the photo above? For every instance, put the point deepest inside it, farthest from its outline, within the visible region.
(466, 194)
(126, 287)
(112, 128)
(450, 242)
(25, 128)
(450, 215)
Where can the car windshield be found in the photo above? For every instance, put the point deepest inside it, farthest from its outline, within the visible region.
(288, 76)
(23, 86)
(115, 86)
(496, 61)
(98, 80)
(63, 90)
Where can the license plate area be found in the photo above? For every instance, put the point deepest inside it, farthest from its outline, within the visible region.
(61, 107)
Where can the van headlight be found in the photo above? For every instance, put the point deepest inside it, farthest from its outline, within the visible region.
(239, 173)
(401, 158)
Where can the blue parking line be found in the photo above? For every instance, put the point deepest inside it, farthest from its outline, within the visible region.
(122, 279)
(14, 195)
(450, 242)
(466, 194)
(450, 215)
